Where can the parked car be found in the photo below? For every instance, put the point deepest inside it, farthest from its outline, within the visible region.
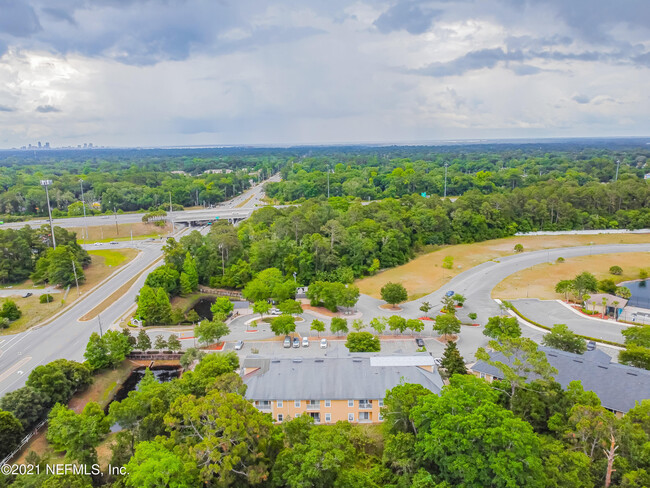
(419, 342)
(97, 244)
(27, 294)
(437, 361)
(323, 343)
(450, 293)
(296, 343)
(239, 345)
(287, 341)
(305, 342)
(275, 311)
(591, 345)
(113, 242)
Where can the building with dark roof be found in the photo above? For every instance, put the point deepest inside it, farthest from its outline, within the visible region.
(330, 389)
(619, 387)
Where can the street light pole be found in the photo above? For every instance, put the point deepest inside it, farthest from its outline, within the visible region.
(74, 269)
(46, 183)
(328, 181)
(83, 203)
(171, 209)
(618, 165)
(99, 319)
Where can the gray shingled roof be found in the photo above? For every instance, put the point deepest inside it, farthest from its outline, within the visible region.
(618, 386)
(348, 378)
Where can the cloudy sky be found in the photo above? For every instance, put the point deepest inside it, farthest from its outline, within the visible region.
(173, 72)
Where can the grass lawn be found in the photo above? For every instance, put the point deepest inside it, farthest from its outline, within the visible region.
(187, 301)
(539, 281)
(425, 273)
(113, 258)
(35, 312)
(107, 233)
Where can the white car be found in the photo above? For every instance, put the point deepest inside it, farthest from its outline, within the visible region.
(305, 342)
(323, 343)
(239, 345)
(437, 361)
(275, 311)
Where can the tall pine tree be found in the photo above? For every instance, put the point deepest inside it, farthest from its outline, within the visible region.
(452, 361)
(189, 268)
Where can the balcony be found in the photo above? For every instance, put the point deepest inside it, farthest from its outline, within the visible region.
(365, 405)
(313, 405)
(263, 406)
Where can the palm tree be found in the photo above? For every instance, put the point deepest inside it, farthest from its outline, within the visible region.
(604, 305)
(615, 303)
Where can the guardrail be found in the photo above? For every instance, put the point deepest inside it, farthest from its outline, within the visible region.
(22, 443)
(221, 292)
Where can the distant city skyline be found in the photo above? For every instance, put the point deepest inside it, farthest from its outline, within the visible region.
(198, 72)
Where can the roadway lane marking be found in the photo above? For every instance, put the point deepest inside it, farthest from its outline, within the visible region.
(13, 368)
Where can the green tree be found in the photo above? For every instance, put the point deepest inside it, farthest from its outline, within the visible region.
(448, 305)
(283, 325)
(562, 338)
(500, 326)
(503, 451)
(415, 325)
(623, 292)
(147, 305)
(519, 248)
(448, 262)
(27, 404)
(190, 355)
(446, 324)
(349, 296)
(425, 307)
(638, 335)
(165, 277)
(155, 465)
(317, 326)
(232, 442)
(397, 323)
(378, 325)
(338, 325)
(144, 342)
(160, 343)
(616, 270)
(290, 307)
(643, 274)
(398, 403)
(77, 434)
(459, 299)
(10, 310)
(173, 344)
(193, 316)
(222, 305)
(208, 332)
(452, 361)
(59, 380)
(585, 282)
(358, 325)
(117, 347)
(394, 293)
(261, 307)
(177, 316)
(362, 342)
(163, 307)
(636, 356)
(185, 284)
(189, 268)
(11, 433)
(518, 359)
(565, 287)
(96, 354)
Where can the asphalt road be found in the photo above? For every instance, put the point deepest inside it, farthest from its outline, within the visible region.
(224, 210)
(66, 336)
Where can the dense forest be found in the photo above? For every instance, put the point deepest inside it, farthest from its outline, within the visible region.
(199, 430)
(144, 182)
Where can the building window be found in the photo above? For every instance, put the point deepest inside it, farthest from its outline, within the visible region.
(328, 403)
(328, 417)
(482, 375)
(350, 417)
(296, 403)
(381, 403)
(381, 417)
(364, 416)
(297, 415)
(280, 417)
(279, 403)
(351, 403)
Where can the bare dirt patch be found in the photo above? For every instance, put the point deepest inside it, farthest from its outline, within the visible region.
(425, 273)
(539, 281)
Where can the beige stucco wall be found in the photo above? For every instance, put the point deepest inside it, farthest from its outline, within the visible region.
(338, 409)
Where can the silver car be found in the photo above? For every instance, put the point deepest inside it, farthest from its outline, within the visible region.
(239, 345)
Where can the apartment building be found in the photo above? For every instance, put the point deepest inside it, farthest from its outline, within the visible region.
(330, 389)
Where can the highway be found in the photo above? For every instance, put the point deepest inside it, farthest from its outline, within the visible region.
(66, 336)
(225, 210)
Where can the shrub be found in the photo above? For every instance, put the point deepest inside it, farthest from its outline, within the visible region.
(560, 259)
(472, 316)
(616, 270)
(519, 248)
(363, 342)
(448, 262)
(46, 298)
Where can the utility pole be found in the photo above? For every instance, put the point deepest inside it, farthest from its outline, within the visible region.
(171, 209)
(446, 164)
(328, 181)
(83, 202)
(618, 165)
(117, 231)
(47, 183)
(74, 269)
(99, 319)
